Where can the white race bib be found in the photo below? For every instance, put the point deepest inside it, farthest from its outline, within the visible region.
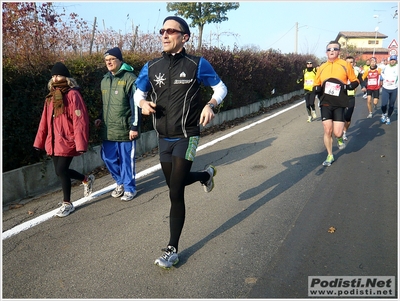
(332, 89)
(389, 82)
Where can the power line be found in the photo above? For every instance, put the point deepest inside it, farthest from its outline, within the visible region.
(282, 37)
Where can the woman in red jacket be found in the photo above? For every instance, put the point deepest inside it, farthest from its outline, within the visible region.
(63, 132)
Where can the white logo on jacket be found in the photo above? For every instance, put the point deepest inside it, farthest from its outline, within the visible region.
(160, 79)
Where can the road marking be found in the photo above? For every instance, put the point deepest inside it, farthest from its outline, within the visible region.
(44, 217)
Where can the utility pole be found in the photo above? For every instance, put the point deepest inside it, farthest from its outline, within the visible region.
(91, 40)
(297, 36)
(376, 35)
(297, 33)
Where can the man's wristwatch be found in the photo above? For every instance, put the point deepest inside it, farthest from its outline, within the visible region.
(211, 105)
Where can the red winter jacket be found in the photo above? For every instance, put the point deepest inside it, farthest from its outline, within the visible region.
(67, 134)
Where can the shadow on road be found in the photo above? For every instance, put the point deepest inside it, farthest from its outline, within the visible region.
(296, 170)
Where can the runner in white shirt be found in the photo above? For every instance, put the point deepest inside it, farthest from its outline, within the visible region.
(390, 83)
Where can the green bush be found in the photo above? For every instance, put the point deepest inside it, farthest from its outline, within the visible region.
(250, 77)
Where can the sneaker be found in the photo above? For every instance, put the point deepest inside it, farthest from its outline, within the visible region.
(128, 196)
(88, 186)
(309, 119)
(329, 160)
(65, 209)
(383, 118)
(118, 191)
(387, 120)
(209, 185)
(168, 259)
(340, 143)
(344, 136)
(314, 115)
(369, 115)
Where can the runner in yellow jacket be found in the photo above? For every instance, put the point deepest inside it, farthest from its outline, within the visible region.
(308, 78)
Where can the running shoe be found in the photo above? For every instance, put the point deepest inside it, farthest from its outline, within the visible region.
(329, 160)
(340, 142)
(309, 119)
(344, 136)
(314, 115)
(65, 209)
(88, 186)
(383, 118)
(118, 191)
(387, 120)
(168, 259)
(209, 185)
(128, 196)
(369, 115)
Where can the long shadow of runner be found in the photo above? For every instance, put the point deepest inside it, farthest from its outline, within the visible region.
(297, 169)
(362, 132)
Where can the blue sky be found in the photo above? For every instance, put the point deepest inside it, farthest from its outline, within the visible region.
(262, 24)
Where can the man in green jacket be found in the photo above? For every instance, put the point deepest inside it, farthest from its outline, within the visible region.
(119, 124)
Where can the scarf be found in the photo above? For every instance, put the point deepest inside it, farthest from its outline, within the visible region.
(56, 95)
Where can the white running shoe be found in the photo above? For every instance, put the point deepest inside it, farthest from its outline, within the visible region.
(128, 196)
(314, 115)
(65, 209)
(209, 185)
(168, 259)
(118, 191)
(88, 186)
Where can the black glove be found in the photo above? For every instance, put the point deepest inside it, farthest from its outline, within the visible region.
(351, 86)
(348, 87)
(318, 90)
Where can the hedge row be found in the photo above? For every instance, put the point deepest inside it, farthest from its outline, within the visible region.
(249, 76)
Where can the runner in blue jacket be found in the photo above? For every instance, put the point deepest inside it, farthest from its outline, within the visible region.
(174, 82)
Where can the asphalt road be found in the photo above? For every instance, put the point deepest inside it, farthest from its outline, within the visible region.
(259, 234)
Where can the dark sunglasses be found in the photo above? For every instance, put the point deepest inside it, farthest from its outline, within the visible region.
(170, 31)
(332, 49)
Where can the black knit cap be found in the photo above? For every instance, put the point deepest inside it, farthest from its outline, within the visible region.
(114, 52)
(60, 69)
(182, 22)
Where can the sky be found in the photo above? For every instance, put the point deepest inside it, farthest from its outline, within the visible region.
(259, 24)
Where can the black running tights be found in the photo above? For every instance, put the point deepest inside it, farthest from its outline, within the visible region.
(61, 166)
(310, 102)
(177, 175)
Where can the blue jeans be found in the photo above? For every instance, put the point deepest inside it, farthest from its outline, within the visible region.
(388, 96)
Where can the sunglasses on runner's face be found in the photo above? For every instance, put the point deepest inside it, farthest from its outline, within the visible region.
(332, 49)
(169, 31)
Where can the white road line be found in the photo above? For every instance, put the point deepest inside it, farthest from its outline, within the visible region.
(40, 219)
